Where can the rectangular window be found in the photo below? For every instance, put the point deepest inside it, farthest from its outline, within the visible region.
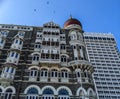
(39, 46)
(33, 57)
(31, 73)
(42, 73)
(16, 56)
(20, 42)
(56, 74)
(35, 46)
(12, 54)
(37, 58)
(16, 41)
(7, 69)
(46, 73)
(12, 70)
(1, 41)
(20, 34)
(52, 73)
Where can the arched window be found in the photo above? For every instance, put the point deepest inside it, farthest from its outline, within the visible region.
(8, 94)
(32, 93)
(33, 72)
(48, 91)
(91, 95)
(82, 94)
(85, 74)
(54, 73)
(63, 59)
(48, 94)
(64, 73)
(78, 73)
(63, 94)
(44, 73)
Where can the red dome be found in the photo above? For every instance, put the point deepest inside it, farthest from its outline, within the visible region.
(72, 21)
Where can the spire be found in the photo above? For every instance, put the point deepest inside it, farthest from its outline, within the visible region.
(70, 16)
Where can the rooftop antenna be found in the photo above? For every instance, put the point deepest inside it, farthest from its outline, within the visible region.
(52, 20)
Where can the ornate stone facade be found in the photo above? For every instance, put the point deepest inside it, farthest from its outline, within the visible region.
(46, 62)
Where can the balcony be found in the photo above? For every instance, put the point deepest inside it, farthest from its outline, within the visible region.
(78, 62)
(81, 64)
(49, 60)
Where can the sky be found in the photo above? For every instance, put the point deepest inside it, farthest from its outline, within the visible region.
(95, 15)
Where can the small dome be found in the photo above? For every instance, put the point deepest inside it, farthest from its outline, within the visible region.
(72, 21)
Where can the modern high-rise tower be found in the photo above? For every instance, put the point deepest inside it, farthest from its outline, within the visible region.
(104, 55)
(46, 62)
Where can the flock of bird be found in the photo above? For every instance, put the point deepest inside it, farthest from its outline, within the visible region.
(35, 10)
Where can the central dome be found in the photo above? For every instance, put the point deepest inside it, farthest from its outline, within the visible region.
(72, 21)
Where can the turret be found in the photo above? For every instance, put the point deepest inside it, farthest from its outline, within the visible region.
(73, 23)
(78, 59)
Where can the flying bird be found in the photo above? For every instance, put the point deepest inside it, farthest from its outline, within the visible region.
(48, 2)
(35, 10)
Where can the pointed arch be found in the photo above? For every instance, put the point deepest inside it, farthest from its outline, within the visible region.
(81, 89)
(90, 92)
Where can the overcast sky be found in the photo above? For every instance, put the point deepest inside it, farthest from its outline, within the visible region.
(95, 15)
